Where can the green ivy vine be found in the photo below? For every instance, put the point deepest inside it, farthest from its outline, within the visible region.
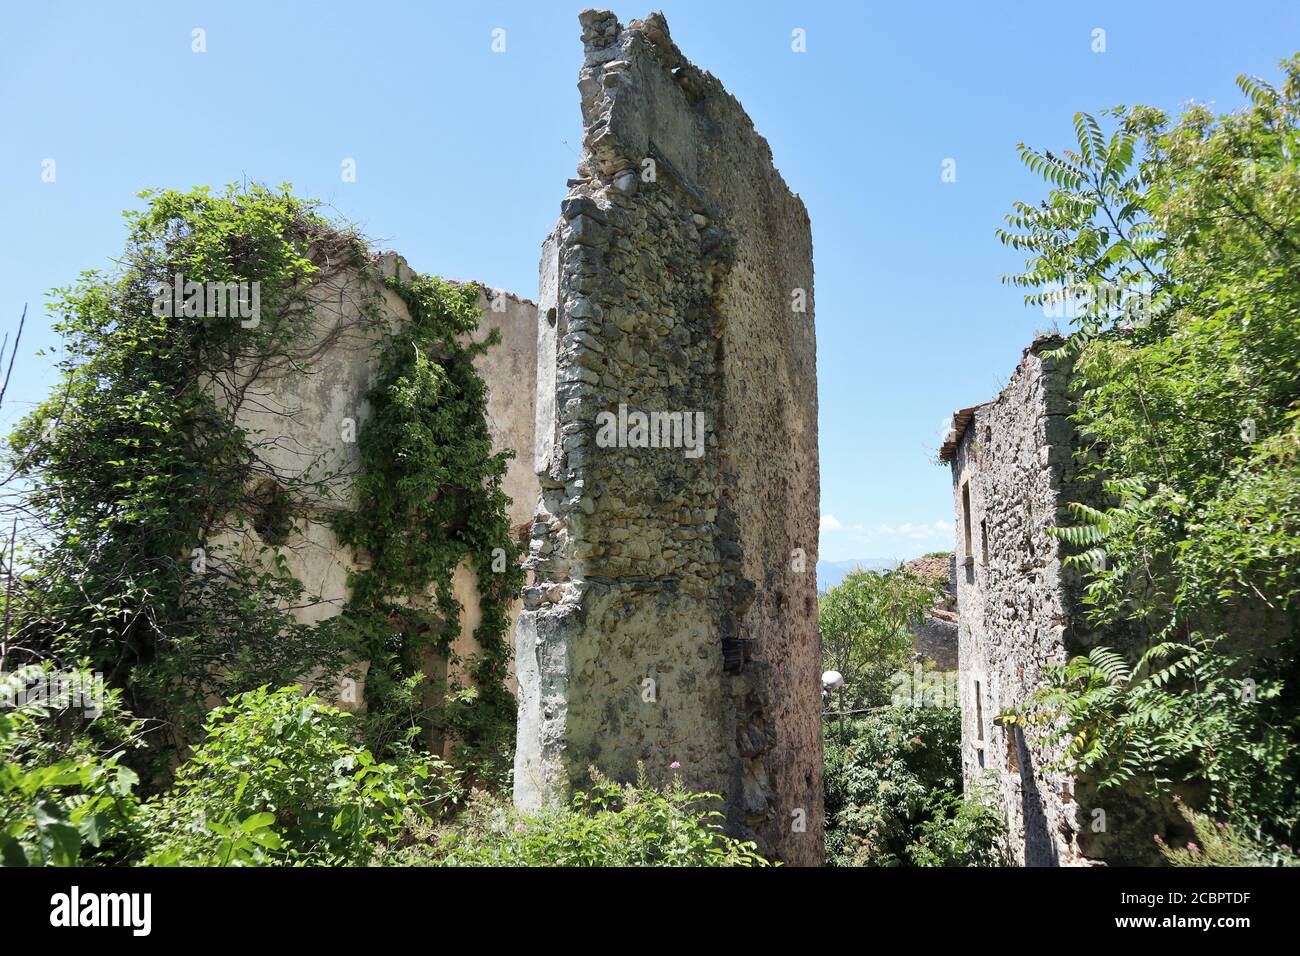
(428, 498)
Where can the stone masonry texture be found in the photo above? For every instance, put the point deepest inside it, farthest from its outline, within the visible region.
(671, 616)
(1014, 470)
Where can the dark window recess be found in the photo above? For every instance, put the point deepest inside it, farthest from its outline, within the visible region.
(965, 522)
(735, 653)
(984, 540)
(273, 512)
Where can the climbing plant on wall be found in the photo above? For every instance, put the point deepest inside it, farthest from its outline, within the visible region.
(134, 467)
(430, 498)
(135, 492)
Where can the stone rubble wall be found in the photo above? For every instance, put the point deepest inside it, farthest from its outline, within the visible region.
(1014, 614)
(935, 636)
(935, 639)
(672, 614)
(1020, 610)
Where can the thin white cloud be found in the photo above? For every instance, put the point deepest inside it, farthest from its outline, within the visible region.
(832, 523)
(939, 531)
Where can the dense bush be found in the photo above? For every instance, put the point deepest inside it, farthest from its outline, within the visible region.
(608, 825)
(65, 797)
(291, 765)
(277, 779)
(1220, 844)
(893, 793)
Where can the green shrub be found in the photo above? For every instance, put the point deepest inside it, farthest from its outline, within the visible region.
(608, 825)
(893, 793)
(283, 771)
(1220, 844)
(65, 798)
(963, 831)
(278, 779)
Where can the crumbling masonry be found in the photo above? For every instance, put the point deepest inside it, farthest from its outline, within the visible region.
(671, 620)
(662, 403)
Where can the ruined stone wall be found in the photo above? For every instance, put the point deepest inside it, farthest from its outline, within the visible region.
(1019, 610)
(671, 621)
(304, 416)
(1014, 618)
(934, 637)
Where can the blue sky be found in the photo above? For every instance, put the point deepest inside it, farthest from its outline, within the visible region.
(461, 156)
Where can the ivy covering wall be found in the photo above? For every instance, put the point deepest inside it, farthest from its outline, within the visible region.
(130, 477)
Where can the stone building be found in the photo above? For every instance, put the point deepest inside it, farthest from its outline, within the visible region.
(1013, 471)
(671, 620)
(662, 402)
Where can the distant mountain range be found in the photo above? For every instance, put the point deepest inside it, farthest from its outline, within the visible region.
(831, 573)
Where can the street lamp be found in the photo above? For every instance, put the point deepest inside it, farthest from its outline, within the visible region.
(834, 680)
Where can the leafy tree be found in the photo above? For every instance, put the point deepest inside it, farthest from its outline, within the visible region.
(864, 624)
(1174, 245)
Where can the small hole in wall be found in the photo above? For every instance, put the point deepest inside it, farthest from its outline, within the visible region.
(550, 316)
(272, 512)
(1013, 749)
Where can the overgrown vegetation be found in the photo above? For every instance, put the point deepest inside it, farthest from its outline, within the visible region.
(608, 825)
(279, 779)
(432, 491)
(151, 535)
(1219, 844)
(128, 476)
(894, 797)
(1175, 243)
(137, 495)
(152, 527)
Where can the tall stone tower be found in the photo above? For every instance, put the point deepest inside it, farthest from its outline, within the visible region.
(672, 618)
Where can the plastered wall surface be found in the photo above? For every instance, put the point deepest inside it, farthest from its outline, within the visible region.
(303, 419)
